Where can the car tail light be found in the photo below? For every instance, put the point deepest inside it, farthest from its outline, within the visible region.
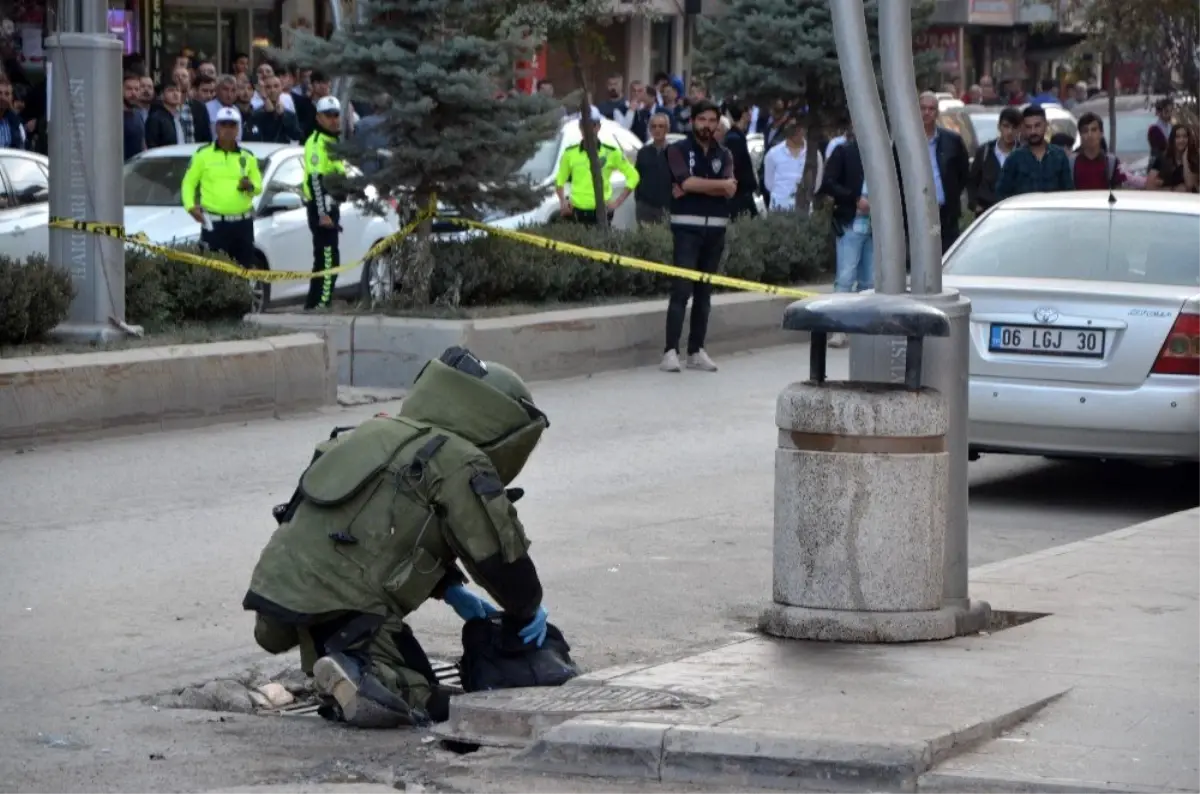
(1180, 354)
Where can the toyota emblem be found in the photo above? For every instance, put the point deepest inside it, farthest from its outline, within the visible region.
(1045, 315)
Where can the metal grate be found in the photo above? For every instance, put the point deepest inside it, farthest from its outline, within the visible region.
(580, 699)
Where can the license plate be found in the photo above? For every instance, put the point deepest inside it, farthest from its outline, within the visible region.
(1042, 341)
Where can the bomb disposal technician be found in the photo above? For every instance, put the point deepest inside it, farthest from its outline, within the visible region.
(376, 527)
(324, 213)
(219, 189)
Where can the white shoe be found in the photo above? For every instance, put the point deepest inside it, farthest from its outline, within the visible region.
(670, 362)
(838, 340)
(700, 360)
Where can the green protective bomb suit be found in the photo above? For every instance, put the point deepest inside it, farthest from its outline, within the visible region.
(379, 521)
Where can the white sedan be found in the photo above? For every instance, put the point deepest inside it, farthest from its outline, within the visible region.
(153, 206)
(1085, 325)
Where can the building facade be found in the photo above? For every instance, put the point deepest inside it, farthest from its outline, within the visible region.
(1007, 39)
(1021, 40)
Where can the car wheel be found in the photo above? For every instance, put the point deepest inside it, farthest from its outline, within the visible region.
(376, 285)
(260, 291)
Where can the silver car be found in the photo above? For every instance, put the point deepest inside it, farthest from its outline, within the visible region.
(1085, 325)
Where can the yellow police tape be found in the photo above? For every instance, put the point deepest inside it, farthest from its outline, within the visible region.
(142, 241)
(716, 279)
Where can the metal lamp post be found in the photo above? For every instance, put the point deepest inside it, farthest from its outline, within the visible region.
(86, 181)
(882, 359)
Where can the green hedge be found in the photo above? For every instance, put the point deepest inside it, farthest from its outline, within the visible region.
(780, 248)
(34, 297)
(159, 295)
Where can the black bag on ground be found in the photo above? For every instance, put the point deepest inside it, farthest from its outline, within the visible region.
(495, 657)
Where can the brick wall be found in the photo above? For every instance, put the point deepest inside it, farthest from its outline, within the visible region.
(596, 69)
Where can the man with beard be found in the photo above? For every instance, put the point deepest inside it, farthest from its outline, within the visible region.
(1037, 167)
(702, 173)
(135, 126)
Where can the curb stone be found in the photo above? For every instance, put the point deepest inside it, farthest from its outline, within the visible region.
(683, 754)
(83, 396)
(382, 351)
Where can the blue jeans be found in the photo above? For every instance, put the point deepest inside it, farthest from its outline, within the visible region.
(855, 262)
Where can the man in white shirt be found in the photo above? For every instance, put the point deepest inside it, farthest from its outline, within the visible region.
(783, 169)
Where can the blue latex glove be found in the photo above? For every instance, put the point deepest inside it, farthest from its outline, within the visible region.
(468, 605)
(535, 632)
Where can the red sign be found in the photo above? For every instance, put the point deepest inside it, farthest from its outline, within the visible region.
(532, 71)
(943, 41)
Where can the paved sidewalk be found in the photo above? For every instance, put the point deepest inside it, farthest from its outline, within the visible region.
(1099, 695)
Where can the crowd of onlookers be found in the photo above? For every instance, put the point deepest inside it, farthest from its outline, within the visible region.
(276, 104)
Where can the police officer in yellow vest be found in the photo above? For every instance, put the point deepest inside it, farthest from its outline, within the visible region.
(219, 189)
(323, 207)
(575, 168)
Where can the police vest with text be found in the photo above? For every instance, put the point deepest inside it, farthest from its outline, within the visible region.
(693, 209)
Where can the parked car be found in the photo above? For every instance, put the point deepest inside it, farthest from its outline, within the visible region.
(154, 207)
(957, 120)
(986, 120)
(24, 203)
(1085, 340)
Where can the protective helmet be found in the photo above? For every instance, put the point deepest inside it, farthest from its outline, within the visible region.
(484, 402)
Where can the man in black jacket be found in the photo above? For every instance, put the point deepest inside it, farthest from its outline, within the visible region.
(846, 184)
(653, 192)
(742, 203)
(989, 160)
(272, 122)
(164, 127)
(951, 168)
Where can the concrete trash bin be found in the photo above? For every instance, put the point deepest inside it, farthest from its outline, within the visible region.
(861, 475)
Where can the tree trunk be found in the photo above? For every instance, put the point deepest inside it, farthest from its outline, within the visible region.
(418, 284)
(808, 181)
(590, 143)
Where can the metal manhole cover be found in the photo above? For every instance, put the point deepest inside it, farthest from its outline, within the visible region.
(581, 699)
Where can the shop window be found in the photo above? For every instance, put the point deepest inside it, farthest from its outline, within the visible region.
(662, 36)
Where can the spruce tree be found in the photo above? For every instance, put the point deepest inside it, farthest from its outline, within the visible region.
(768, 50)
(764, 50)
(569, 24)
(450, 139)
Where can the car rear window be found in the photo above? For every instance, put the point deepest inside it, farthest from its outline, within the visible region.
(1086, 244)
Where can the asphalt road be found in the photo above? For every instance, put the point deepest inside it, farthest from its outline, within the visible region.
(123, 564)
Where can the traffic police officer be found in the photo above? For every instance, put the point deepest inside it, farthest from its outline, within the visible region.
(575, 168)
(219, 189)
(323, 207)
(703, 184)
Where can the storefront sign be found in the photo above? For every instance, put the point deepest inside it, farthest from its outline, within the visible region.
(993, 12)
(943, 41)
(155, 40)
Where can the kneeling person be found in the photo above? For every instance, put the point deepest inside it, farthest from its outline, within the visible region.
(377, 526)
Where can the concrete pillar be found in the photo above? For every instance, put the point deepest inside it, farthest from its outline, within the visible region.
(678, 64)
(86, 181)
(860, 514)
(637, 49)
